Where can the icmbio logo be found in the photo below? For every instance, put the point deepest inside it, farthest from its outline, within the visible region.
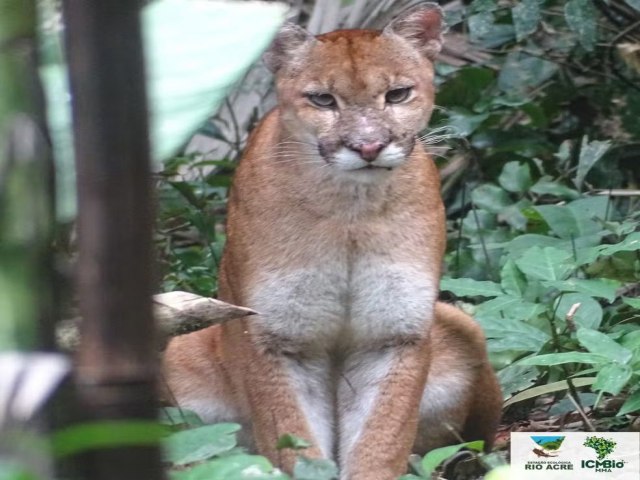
(603, 447)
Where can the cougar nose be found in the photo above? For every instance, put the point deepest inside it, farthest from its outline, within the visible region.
(369, 151)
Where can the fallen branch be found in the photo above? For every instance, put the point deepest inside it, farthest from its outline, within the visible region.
(176, 313)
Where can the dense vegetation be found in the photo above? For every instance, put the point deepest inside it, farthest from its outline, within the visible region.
(539, 141)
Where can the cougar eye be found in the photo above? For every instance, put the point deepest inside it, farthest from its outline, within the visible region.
(397, 95)
(323, 100)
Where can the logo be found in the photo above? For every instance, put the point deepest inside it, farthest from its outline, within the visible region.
(547, 446)
(575, 455)
(603, 448)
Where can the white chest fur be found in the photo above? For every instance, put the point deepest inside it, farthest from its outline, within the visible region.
(367, 299)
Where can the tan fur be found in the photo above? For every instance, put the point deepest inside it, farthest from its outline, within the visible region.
(340, 252)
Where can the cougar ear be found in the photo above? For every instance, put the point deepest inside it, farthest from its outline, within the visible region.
(422, 26)
(288, 42)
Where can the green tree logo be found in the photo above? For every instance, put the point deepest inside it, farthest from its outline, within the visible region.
(603, 446)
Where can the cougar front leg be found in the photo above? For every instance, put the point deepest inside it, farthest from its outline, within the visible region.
(378, 399)
(290, 394)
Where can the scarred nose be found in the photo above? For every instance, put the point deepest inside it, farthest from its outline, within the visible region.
(368, 151)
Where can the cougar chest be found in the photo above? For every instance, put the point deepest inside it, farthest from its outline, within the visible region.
(356, 287)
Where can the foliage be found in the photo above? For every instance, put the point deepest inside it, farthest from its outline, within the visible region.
(195, 451)
(542, 248)
(188, 234)
(550, 267)
(425, 467)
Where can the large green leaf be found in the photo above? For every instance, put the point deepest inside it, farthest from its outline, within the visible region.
(526, 17)
(634, 3)
(515, 378)
(631, 405)
(565, 357)
(590, 153)
(197, 444)
(581, 18)
(521, 73)
(490, 197)
(510, 306)
(546, 263)
(512, 280)
(548, 388)
(467, 287)
(577, 219)
(588, 315)
(236, 467)
(547, 186)
(195, 52)
(314, 469)
(601, 344)
(597, 287)
(80, 438)
(515, 177)
(612, 378)
(629, 244)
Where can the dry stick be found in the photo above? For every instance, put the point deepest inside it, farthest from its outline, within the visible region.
(581, 411)
(175, 313)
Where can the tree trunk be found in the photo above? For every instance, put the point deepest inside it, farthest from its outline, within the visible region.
(116, 358)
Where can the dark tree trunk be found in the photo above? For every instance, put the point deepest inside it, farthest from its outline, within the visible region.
(116, 358)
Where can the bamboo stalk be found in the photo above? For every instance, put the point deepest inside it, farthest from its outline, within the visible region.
(116, 358)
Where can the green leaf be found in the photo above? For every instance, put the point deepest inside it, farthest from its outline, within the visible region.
(108, 434)
(601, 344)
(291, 441)
(546, 263)
(515, 177)
(560, 219)
(197, 444)
(632, 302)
(601, 287)
(512, 307)
(467, 287)
(179, 416)
(480, 25)
(515, 378)
(12, 470)
(465, 123)
(505, 333)
(521, 73)
(576, 219)
(526, 17)
(466, 88)
(581, 18)
(588, 315)
(552, 359)
(186, 82)
(634, 4)
(547, 186)
(549, 388)
(314, 469)
(632, 404)
(236, 467)
(590, 153)
(588, 211)
(490, 197)
(435, 457)
(512, 280)
(612, 378)
(629, 244)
